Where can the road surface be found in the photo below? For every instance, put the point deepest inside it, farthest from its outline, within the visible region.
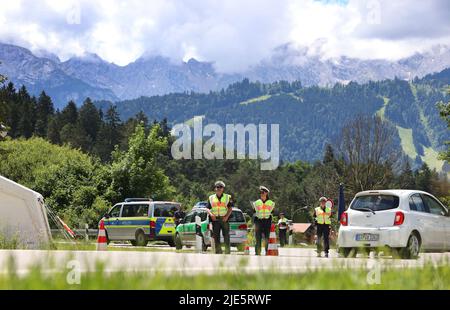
(290, 260)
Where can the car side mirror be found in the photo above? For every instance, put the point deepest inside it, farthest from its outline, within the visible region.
(182, 221)
(106, 216)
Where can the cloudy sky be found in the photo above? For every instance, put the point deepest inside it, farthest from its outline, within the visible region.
(234, 34)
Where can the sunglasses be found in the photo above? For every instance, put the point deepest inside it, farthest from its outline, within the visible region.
(218, 187)
(263, 192)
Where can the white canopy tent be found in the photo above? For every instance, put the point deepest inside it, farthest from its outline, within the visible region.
(23, 215)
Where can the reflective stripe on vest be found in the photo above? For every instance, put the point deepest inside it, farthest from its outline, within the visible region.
(323, 216)
(264, 209)
(219, 207)
(282, 223)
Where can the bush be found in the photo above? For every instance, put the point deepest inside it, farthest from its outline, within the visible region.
(73, 183)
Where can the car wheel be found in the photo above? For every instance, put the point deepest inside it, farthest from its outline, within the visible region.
(107, 239)
(178, 243)
(347, 252)
(412, 249)
(171, 243)
(204, 245)
(141, 240)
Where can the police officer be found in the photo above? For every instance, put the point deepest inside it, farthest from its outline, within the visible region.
(282, 229)
(322, 215)
(219, 208)
(179, 215)
(263, 218)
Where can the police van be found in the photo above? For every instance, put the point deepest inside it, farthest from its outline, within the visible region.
(140, 220)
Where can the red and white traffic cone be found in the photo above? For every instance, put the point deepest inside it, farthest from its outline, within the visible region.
(272, 249)
(246, 248)
(101, 239)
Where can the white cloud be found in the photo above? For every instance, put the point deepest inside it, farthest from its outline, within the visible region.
(372, 28)
(233, 34)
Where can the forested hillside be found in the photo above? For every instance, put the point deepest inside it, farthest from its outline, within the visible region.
(311, 117)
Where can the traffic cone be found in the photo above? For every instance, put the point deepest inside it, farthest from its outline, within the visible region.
(101, 239)
(273, 245)
(246, 248)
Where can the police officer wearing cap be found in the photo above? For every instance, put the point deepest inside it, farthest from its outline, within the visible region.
(282, 229)
(219, 208)
(263, 218)
(322, 216)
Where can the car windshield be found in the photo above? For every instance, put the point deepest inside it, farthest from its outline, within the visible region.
(165, 209)
(236, 216)
(188, 218)
(375, 203)
(203, 215)
(201, 204)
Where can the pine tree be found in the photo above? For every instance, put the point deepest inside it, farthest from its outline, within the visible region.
(112, 118)
(130, 125)
(445, 115)
(54, 128)
(3, 78)
(12, 107)
(141, 118)
(69, 115)
(406, 179)
(44, 111)
(329, 155)
(424, 178)
(26, 127)
(89, 119)
(76, 137)
(3, 106)
(109, 135)
(27, 112)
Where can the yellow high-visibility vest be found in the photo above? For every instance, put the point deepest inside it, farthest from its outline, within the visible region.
(323, 216)
(263, 209)
(219, 207)
(282, 223)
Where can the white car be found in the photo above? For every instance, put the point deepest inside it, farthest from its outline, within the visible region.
(407, 221)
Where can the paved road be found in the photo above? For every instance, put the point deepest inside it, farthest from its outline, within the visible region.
(290, 260)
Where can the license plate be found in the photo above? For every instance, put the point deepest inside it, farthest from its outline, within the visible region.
(367, 237)
(169, 225)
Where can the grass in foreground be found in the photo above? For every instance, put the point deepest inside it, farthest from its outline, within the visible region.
(83, 246)
(428, 277)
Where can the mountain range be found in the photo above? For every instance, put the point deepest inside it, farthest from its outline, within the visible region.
(91, 76)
